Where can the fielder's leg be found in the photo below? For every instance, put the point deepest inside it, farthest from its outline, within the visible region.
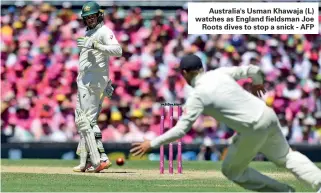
(278, 151)
(240, 154)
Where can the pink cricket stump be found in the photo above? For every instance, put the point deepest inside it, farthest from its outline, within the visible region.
(161, 161)
(179, 148)
(170, 161)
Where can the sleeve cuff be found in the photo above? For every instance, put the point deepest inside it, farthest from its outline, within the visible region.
(154, 143)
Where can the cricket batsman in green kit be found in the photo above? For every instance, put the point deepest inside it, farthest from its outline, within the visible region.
(217, 94)
(93, 85)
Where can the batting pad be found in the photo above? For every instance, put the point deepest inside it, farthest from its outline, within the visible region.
(84, 127)
(92, 147)
(81, 120)
(83, 153)
(81, 148)
(98, 137)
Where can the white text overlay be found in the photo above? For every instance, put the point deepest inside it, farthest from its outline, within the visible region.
(253, 18)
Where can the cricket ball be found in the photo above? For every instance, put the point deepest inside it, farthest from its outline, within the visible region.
(120, 161)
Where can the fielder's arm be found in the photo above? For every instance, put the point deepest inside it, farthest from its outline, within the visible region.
(110, 44)
(193, 109)
(239, 72)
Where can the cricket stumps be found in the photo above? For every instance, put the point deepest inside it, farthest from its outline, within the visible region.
(170, 149)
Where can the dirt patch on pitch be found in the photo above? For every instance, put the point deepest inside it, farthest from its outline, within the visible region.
(119, 173)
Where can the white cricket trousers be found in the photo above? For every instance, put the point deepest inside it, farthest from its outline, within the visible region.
(269, 140)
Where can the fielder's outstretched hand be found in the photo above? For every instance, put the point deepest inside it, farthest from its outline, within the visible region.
(140, 148)
(258, 90)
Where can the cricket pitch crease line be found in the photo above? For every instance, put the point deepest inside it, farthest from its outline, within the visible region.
(133, 173)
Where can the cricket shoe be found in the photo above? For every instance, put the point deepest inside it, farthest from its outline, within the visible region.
(81, 168)
(104, 164)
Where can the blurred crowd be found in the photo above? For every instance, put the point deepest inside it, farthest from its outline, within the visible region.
(39, 66)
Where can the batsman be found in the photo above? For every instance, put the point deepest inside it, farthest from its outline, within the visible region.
(98, 44)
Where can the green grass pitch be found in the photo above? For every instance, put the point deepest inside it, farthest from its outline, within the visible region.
(31, 175)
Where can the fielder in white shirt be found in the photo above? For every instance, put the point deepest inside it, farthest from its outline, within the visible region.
(94, 84)
(216, 93)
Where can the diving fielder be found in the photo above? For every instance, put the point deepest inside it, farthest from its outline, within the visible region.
(93, 85)
(217, 94)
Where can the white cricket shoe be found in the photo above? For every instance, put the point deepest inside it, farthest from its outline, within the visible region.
(79, 168)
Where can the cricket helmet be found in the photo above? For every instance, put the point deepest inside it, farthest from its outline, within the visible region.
(90, 8)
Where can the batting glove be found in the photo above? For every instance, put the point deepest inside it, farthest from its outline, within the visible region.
(109, 89)
(86, 42)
